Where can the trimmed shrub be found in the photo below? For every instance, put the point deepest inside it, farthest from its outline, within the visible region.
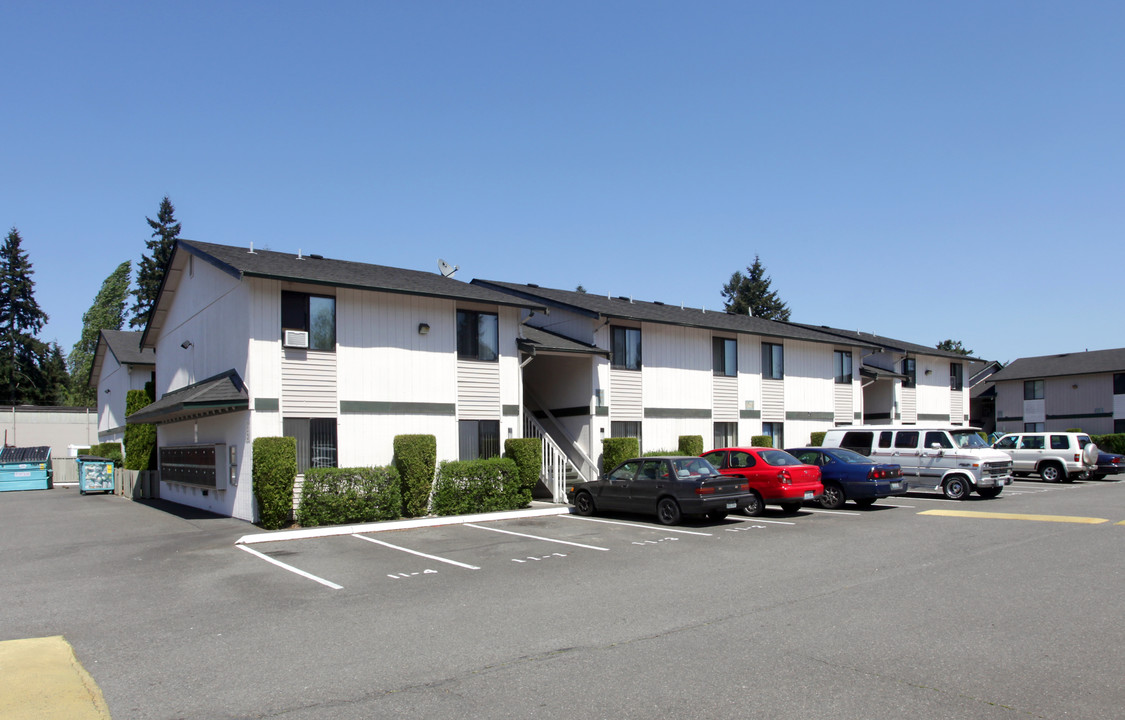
(140, 439)
(761, 441)
(691, 445)
(527, 454)
(816, 439)
(1113, 443)
(473, 486)
(273, 473)
(655, 453)
(415, 459)
(617, 450)
(335, 496)
(1077, 430)
(110, 451)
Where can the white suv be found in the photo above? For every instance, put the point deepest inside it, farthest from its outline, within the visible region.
(1054, 456)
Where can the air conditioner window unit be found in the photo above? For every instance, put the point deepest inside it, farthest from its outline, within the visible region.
(296, 338)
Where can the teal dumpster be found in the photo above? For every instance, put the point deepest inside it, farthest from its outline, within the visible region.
(95, 474)
(27, 468)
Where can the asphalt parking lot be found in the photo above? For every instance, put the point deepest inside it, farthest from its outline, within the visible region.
(978, 609)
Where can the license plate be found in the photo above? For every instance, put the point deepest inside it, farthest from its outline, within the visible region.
(732, 506)
(896, 486)
(809, 496)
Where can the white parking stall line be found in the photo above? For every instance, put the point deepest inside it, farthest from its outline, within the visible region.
(415, 552)
(536, 537)
(662, 528)
(760, 520)
(831, 512)
(292, 569)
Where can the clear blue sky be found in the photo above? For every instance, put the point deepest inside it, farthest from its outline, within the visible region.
(920, 170)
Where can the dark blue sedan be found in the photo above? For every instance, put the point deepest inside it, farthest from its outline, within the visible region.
(848, 475)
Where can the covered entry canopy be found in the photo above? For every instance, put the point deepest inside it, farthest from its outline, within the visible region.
(222, 393)
(536, 340)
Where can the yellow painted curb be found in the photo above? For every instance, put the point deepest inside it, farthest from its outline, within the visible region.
(1016, 516)
(43, 680)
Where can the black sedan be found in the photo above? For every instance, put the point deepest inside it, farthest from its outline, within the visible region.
(669, 487)
(1108, 464)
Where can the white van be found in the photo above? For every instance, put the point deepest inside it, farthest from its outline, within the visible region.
(952, 459)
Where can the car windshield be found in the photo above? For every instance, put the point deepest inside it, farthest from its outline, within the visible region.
(844, 455)
(693, 467)
(968, 439)
(779, 458)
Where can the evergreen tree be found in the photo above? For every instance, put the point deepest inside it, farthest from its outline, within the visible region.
(107, 313)
(21, 319)
(954, 346)
(150, 271)
(55, 384)
(751, 294)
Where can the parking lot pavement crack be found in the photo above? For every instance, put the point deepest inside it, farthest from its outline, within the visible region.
(918, 686)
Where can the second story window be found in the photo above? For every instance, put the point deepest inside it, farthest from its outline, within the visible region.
(725, 354)
(910, 370)
(1119, 384)
(773, 361)
(314, 315)
(842, 359)
(626, 347)
(956, 376)
(478, 335)
(1032, 389)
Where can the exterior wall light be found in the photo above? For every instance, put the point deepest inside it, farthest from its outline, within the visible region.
(186, 344)
(423, 329)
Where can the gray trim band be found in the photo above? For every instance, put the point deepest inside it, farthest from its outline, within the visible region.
(371, 407)
(677, 413)
(264, 404)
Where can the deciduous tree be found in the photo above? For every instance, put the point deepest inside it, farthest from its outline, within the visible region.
(107, 313)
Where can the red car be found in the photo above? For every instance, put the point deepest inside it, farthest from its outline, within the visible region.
(775, 476)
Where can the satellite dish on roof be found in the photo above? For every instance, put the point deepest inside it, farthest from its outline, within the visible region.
(446, 269)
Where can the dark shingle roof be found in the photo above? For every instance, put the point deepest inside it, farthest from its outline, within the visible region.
(538, 340)
(125, 347)
(629, 309)
(341, 273)
(1079, 363)
(216, 395)
(888, 343)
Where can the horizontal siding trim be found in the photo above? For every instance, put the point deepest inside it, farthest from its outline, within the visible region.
(510, 410)
(810, 415)
(750, 414)
(366, 407)
(677, 413)
(264, 404)
(1077, 416)
(933, 417)
(602, 411)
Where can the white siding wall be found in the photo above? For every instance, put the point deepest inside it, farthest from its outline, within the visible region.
(478, 390)
(309, 379)
(677, 367)
(626, 396)
(231, 429)
(749, 386)
(933, 389)
(724, 398)
(909, 404)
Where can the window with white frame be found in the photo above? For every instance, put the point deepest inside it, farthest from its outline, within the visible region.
(842, 361)
(773, 361)
(724, 352)
(1032, 389)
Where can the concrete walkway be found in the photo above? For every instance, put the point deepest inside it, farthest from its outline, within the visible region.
(43, 680)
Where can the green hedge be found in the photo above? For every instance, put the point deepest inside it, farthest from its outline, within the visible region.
(655, 453)
(336, 496)
(816, 439)
(691, 445)
(1113, 443)
(527, 453)
(416, 459)
(140, 439)
(761, 441)
(617, 450)
(273, 473)
(472, 486)
(110, 451)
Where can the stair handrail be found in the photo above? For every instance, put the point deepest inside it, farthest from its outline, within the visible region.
(562, 429)
(554, 461)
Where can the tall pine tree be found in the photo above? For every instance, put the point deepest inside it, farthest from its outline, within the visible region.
(150, 271)
(107, 313)
(751, 294)
(21, 319)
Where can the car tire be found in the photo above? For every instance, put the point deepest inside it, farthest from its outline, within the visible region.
(1051, 472)
(956, 488)
(584, 504)
(865, 502)
(756, 506)
(833, 497)
(790, 508)
(989, 493)
(717, 515)
(668, 511)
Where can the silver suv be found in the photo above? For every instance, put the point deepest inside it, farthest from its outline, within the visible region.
(1054, 456)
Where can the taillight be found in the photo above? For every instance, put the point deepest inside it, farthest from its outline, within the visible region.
(1077, 457)
(705, 491)
(783, 476)
(744, 487)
